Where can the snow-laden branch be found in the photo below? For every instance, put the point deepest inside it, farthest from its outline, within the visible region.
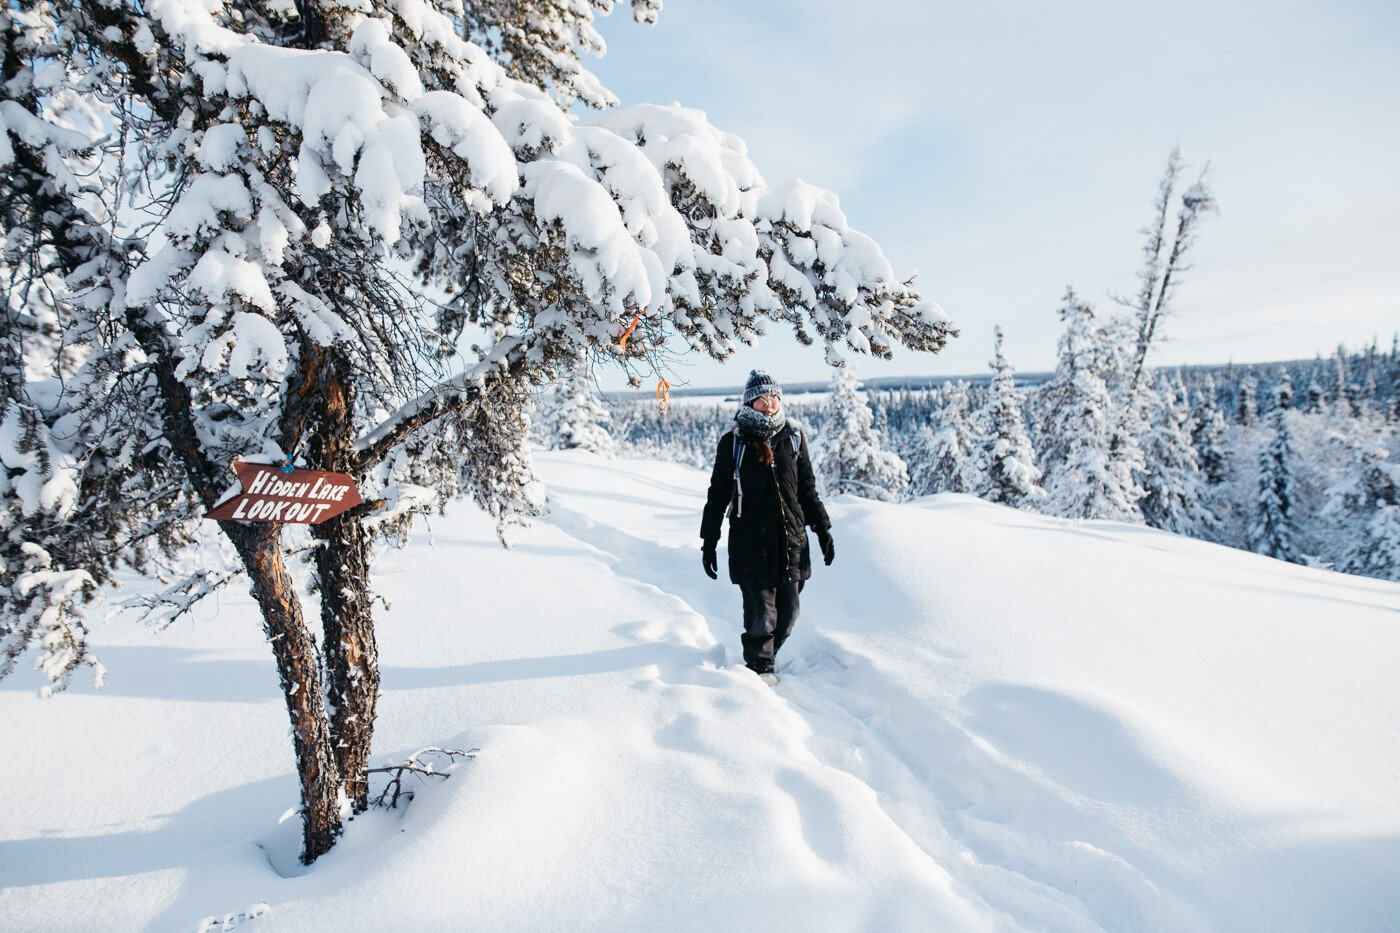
(437, 401)
(167, 606)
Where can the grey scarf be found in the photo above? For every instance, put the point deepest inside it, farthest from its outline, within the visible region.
(754, 425)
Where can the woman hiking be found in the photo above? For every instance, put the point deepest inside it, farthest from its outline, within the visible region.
(763, 477)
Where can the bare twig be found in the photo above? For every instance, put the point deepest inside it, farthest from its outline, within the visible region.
(393, 790)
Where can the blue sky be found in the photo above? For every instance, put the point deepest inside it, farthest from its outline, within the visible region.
(1006, 150)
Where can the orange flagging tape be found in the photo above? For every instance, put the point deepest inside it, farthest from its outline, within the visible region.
(663, 392)
(628, 332)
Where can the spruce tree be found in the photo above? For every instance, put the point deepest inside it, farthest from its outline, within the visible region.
(944, 458)
(1283, 391)
(1175, 487)
(1362, 507)
(1316, 396)
(1010, 475)
(1210, 436)
(852, 459)
(1246, 402)
(1343, 393)
(1378, 555)
(581, 420)
(1273, 531)
(1082, 478)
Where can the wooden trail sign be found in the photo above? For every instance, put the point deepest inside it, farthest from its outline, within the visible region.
(296, 496)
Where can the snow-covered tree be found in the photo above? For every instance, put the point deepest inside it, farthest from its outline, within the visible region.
(1283, 391)
(270, 231)
(1315, 397)
(1076, 414)
(1210, 437)
(944, 458)
(852, 459)
(1125, 344)
(1079, 347)
(1009, 473)
(1273, 532)
(581, 419)
(1160, 276)
(1175, 489)
(880, 410)
(1246, 402)
(1378, 553)
(1363, 506)
(1342, 391)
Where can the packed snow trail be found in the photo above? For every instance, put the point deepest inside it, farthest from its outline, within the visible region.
(988, 720)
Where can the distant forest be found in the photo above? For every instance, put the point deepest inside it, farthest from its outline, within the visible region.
(1298, 460)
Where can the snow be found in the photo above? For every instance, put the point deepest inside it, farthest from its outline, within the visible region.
(988, 720)
(605, 258)
(468, 132)
(220, 273)
(197, 212)
(682, 139)
(218, 149)
(373, 49)
(14, 119)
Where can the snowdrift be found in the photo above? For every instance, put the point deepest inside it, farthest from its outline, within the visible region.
(987, 720)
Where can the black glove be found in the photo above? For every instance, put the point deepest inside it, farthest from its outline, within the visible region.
(828, 546)
(710, 560)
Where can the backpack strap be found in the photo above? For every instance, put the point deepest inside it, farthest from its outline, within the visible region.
(738, 483)
(739, 446)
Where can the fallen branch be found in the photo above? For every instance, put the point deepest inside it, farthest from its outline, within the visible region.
(393, 790)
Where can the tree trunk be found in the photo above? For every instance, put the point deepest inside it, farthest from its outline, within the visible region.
(342, 563)
(352, 659)
(259, 547)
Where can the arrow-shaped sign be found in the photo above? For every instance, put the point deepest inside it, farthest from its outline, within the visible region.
(297, 497)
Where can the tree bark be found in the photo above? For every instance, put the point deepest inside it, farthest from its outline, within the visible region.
(298, 667)
(343, 564)
(352, 657)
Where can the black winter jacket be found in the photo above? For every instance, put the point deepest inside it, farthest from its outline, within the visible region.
(768, 538)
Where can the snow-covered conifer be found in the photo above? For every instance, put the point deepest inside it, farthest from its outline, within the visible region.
(1378, 554)
(944, 458)
(1174, 485)
(1128, 343)
(1246, 402)
(1210, 437)
(1283, 391)
(1362, 506)
(1076, 417)
(1273, 531)
(852, 459)
(1366, 396)
(1315, 397)
(582, 421)
(1010, 475)
(1343, 392)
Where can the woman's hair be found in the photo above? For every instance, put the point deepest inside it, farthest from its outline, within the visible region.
(761, 447)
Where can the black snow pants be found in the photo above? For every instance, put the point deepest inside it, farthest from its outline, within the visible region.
(769, 614)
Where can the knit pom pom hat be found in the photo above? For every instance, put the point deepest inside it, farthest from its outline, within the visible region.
(760, 383)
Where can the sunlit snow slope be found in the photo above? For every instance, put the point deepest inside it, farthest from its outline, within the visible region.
(988, 720)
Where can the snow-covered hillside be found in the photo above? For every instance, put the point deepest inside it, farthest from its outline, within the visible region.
(988, 720)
